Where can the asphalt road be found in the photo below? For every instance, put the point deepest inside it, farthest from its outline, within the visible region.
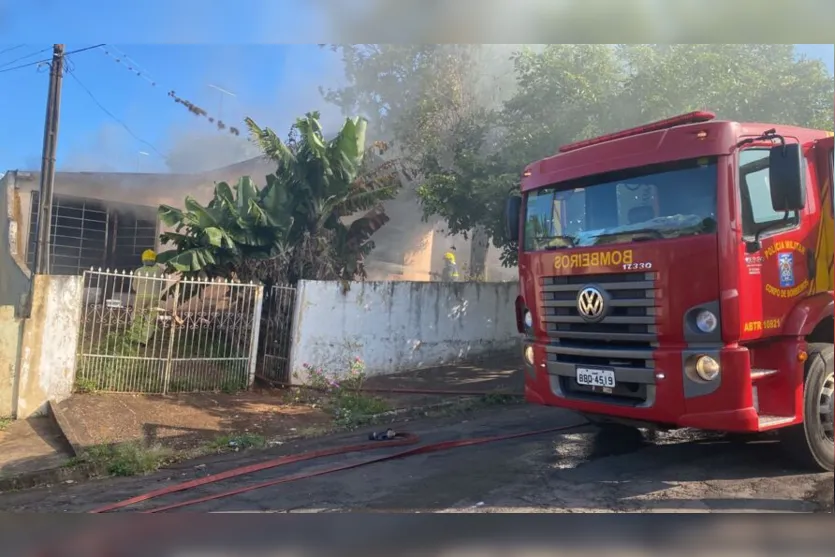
(577, 471)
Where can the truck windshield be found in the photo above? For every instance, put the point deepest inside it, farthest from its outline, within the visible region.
(660, 202)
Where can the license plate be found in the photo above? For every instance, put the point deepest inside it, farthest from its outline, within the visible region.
(596, 377)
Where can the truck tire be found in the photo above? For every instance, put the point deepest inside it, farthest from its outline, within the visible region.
(613, 431)
(811, 443)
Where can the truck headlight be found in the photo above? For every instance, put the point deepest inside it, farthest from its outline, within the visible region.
(527, 319)
(706, 321)
(528, 352)
(707, 368)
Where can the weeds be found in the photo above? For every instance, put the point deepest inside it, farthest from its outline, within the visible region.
(355, 409)
(137, 459)
(5, 422)
(229, 386)
(498, 399)
(341, 394)
(85, 386)
(237, 443)
(232, 386)
(125, 459)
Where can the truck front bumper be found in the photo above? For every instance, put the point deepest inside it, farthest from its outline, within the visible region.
(667, 396)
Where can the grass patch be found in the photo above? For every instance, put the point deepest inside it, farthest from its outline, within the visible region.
(124, 459)
(237, 443)
(137, 459)
(351, 409)
(85, 386)
(5, 422)
(340, 394)
(499, 399)
(229, 386)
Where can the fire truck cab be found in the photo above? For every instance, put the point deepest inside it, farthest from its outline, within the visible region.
(680, 274)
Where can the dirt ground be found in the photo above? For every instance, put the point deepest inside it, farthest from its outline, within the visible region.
(187, 421)
(578, 470)
(183, 420)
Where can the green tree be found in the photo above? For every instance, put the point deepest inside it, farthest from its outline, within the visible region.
(421, 98)
(746, 82)
(566, 93)
(295, 226)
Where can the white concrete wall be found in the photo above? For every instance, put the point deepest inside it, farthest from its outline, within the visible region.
(47, 360)
(398, 326)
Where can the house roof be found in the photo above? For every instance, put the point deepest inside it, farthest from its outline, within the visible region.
(145, 187)
(148, 188)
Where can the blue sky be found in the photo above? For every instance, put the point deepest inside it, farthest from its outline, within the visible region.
(272, 83)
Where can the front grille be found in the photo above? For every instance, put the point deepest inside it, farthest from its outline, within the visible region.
(623, 341)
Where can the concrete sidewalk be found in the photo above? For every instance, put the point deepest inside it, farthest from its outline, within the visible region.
(501, 374)
(180, 421)
(31, 445)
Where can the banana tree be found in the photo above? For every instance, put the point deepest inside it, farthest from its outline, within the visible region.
(240, 222)
(328, 181)
(295, 226)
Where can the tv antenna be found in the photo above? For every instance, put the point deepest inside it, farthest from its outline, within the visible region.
(222, 92)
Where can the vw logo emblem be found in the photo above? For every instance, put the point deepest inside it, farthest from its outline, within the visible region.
(591, 303)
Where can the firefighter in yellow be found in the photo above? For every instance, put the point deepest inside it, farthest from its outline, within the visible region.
(450, 272)
(148, 286)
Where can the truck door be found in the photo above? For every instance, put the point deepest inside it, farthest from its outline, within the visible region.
(782, 271)
(824, 247)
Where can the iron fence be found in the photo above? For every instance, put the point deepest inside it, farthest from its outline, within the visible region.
(277, 332)
(153, 333)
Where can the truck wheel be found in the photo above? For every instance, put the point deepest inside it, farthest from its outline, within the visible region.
(812, 442)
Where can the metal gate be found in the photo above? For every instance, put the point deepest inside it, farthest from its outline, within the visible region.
(162, 334)
(277, 333)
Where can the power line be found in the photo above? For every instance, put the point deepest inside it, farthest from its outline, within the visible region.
(113, 116)
(125, 61)
(133, 65)
(76, 51)
(46, 60)
(11, 48)
(25, 57)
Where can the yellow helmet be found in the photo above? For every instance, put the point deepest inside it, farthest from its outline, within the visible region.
(149, 255)
(449, 256)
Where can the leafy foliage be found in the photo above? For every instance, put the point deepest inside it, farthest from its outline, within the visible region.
(479, 182)
(239, 223)
(425, 98)
(469, 150)
(295, 226)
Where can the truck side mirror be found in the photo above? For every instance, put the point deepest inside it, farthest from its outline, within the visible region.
(787, 176)
(512, 208)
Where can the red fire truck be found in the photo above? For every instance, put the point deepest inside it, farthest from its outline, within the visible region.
(680, 274)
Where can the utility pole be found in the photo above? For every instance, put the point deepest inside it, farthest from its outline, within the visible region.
(50, 144)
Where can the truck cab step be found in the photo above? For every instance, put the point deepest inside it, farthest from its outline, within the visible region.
(770, 422)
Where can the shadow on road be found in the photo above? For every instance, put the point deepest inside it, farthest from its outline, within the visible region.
(581, 470)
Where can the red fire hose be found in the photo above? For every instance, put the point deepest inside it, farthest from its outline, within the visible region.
(399, 441)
